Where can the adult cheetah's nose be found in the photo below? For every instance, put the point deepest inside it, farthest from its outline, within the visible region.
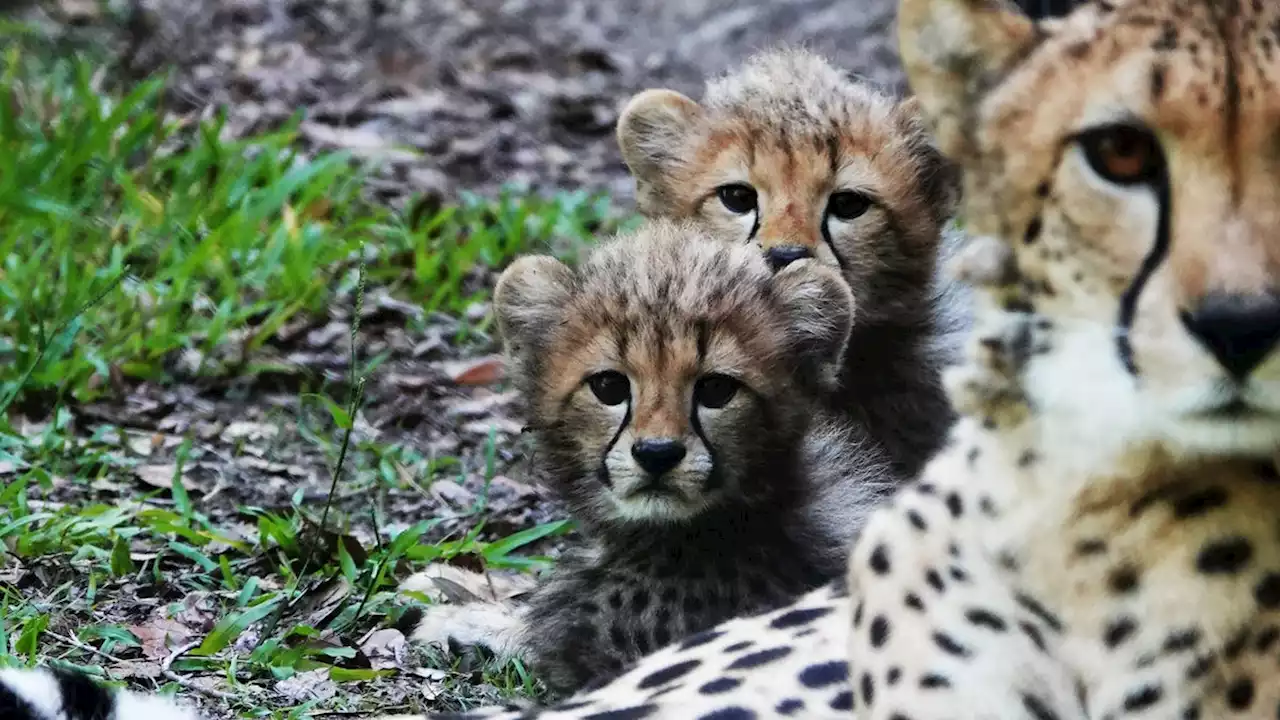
(780, 256)
(1239, 330)
(657, 455)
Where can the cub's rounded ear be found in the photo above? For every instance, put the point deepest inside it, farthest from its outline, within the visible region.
(820, 309)
(529, 300)
(951, 50)
(938, 177)
(651, 132)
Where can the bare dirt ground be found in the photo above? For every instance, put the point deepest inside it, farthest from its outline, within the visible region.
(452, 97)
(470, 94)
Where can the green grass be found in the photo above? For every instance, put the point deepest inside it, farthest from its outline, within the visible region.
(130, 239)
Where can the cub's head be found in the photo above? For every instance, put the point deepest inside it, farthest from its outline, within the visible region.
(1127, 158)
(796, 157)
(668, 373)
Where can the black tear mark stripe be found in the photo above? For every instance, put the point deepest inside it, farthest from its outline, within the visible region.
(1159, 251)
(604, 457)
(826, 237)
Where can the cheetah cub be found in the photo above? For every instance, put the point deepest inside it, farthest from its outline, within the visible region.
(789, 154)
(672, 383)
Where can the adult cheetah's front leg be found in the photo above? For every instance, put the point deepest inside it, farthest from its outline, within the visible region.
(937, 632)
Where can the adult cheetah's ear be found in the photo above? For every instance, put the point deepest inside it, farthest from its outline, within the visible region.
(652, 128)
(819, 307)
(529, 302)
(951, 50)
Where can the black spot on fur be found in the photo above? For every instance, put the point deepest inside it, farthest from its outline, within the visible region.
(949, 645)
(955, 505)
(1267, 591)
(795, 618)
(701, 638)
(1034, 634)
(879, 631)
(958, 574)
(790, 706)
(632, 713)
(917, 520)
(1224, 557)
(1119, 630)
(986, 619)
(1033, 230)
(729, 713)
(1240, 694)
(913, 601)
(1123, 580)
(720, 685)
(741, 645)
(868, 689)
(1143, 698)
(821, 675)
(842, 701)
(935, 580)
(658, 678)
(893, 676)
(759, 657)
(933, 681)
(1266, 639)
(1035, 608)
(879, 560)
(1038, 708)
(1199, 503)
(1181, 640)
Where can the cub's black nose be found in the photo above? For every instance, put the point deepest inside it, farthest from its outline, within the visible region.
(657, 455)
(1239, 330)
(780, 256)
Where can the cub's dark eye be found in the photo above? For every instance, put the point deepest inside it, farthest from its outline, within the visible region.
(610, 387)
(738, 199)
(1122, 154)
(847, 204)
(715, 391)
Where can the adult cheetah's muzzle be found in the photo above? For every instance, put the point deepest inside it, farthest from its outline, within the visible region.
(1239, 330)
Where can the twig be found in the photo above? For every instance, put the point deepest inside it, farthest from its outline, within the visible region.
(187, 683)
(87, 648)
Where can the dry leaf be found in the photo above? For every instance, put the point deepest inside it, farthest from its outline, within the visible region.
(386, 648)
(310, 685)
(161, 476)
(159, 635)
(243, 430)
(476, 371)
(440, 580)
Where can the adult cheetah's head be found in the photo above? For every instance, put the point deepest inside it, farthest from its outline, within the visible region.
(670, 373)
(1127, 156)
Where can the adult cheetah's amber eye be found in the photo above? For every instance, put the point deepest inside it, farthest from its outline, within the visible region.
(737, 198)
(848, 205)
(715, 390)
(610, 387)
(1122, 154)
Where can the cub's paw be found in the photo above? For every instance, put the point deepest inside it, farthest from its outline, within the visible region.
(468, 631)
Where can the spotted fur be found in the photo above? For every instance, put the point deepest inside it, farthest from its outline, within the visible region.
(54, 694)
(766, 490)
(819, 163)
